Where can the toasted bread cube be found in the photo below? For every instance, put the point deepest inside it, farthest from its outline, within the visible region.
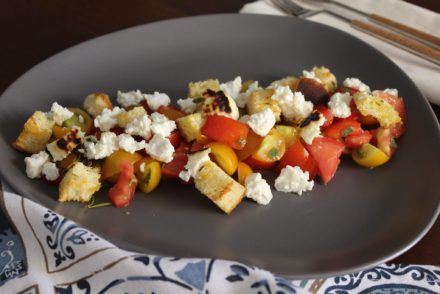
(262, 99)
(59, 149)
(79, 183)
(371, 105)
(190, 126)
(326, 77)
(218, 186)
(196, 89)
(35, 134)
(290, 81)
(124, 118)
(95, 103)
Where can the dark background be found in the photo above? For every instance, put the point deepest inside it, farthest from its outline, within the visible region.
(33, 30)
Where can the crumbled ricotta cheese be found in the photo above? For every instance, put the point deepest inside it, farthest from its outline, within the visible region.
(311, 75)
(161, 124)
(232, 88)
(35, 163)
(195, 162)
(355, 83)
(339, 105)
(129, 98)
(108, 118)
(293, 105)
(243, 98)
(160, 148)
(129, 144)
(293, 179)
(59, 113)
(81, 118)
(107, 144)
(50, 171)
(187, 105)
(312, 130)
(156, 100)
(140, 126)
(262, 122)
(258, 189)
(388, 91)
(142, 167)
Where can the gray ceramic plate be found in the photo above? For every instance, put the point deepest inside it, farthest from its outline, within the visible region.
(362, 218)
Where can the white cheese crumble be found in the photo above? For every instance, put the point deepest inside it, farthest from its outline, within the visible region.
(140, 126)
(35, 163)
(108, 118)
(187, 105)
(232, 88)
(161, 124)
(126, 99)
(160, 148)
(129, 144)
(339, 105)
(262, 122)
(81, 118)
(195, 162)
(355, 83)
(258, 189)
(388, 91)
(156, 100)
(107, 144)
(293, 105)
(243, 98)
(50, 171)
(312, 130)
(142, 167)
(293, 179)
(59, 113)
(311, 75)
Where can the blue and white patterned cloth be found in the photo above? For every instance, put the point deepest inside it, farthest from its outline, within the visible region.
(43, 252)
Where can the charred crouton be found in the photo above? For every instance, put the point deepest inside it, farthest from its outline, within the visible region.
(313, 90)
(217, 103)
(196, 89)
(36, 133)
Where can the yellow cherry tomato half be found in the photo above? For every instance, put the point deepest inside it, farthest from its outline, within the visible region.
(272, 148)
(243, 170)
(369, 156)
(224, 156)
(289, 133)
(79, 119)
(111, 166)
(148, 176)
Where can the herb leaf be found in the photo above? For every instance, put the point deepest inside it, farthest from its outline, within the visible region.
(347, 131)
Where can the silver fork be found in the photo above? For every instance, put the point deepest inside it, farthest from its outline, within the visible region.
(402, 42)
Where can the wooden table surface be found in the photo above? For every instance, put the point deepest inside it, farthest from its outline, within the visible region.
(33, 30)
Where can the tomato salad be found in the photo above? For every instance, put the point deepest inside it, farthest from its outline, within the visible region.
(219, 138)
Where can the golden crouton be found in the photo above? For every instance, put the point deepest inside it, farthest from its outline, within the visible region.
(60, 148)
(326, 77)
(124, 118)
(262, 99)
(190, 126)
(95, 103)
(218, 186)
(370, 105)
(35, 134)
(198, 88)
(290, 81)
(79, 183)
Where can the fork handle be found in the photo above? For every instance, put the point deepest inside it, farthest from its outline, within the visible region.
(400, 41)
(423, 37)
